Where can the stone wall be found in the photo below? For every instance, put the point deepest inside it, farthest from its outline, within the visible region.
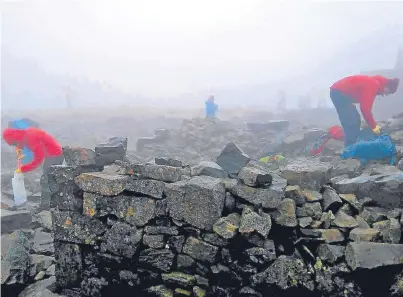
(231, 228)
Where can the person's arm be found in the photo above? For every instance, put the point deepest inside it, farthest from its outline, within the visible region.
(320, 149)
(367, 100)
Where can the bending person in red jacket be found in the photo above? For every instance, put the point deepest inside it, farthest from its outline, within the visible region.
(362, 90)
(45, 149)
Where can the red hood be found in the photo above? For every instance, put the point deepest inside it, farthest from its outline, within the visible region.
(383, 81)
(14, 136)
(392, 83)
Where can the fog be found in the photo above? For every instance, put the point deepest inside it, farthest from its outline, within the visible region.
(180, 51)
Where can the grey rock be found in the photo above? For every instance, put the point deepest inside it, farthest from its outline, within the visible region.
(364, 234)
(163, 173)
(39, 276)
(51, 270)
(41, 262)
(198, 201)
(304, 222)
(114, 149)
(214, 239)
(122, 240)
(69, 264)
(160, 291)
(251, 176)
(362, 223)
(75, 228)
(331, 200)
(209, 168)
(267, 197)
(152, 188)
(374, 214)
(254, 222)
(78, 156)
(101, 183)
(285, 273)
(232, 159)
(15, 259)
(158, 259)
(308, 174)
(161, 230)
(285, 215)
(43, 243)
(390, 230)
(43, 219)
(343, 220)
(180, 279)
(176, 242)
(327, 219)
(153, 241)
(370, 255)
(200, 250)
(295, 193)
(394, 213)
(326, 235)
(352, 200)
(40, 289)
(227, 227)
(262, 255)
(14, 220)
(184, 262)
(330, 253)
(313, 210)
(167, 161)
(350, 167)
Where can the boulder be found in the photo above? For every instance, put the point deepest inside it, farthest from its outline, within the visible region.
(14, 220)
(331, 200)
(200, 250)
(390, 230)
(161, 260)
(227, 227)
(374, 214)
(364, 234)
(251, 176)
(343, 220)
(163, 173)
(307, 173)
(43, 219)
(370, 255)
(285, 215)
(43, 243)
(254, 222)
(198, 201)
(78, 156)
(209, 168)
(101, 183)
(330, 253)
(232, 159)
(313, 210)
(114, 149)
(152, 188)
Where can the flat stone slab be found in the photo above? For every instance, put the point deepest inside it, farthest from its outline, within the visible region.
(370, 255)
(101, 183)
(13, 220)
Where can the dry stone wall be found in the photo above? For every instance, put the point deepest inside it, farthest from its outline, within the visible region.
(225, 228)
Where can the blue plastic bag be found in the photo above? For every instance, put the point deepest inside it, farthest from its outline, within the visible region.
(28, 154)
(371, 147)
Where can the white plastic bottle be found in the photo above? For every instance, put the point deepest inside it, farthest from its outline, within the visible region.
(20, 195)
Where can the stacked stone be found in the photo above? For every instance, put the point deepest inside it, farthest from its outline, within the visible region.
(224, 228)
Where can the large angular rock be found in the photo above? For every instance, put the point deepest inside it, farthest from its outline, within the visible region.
(163, 173)
(167, 161)
(330, 253)
(209, 168)
(390, 230)
(200, 250)
(43, 243)
(331, 200)
(15, 259)
(75, 228)
(122, 240)
(251, 176)
(374, 214)
(14, 220)
(101, 183)
(308, 174)
(343, 220)
(254, 222)
(285, 215)
(43, 219)
(78, 156)
(370, 255)
(69, 264)
(269, 197)
(198, 201)
(313, 210)
(158, 259)
(152, 188)
(178, 279)
(285, 273)
(232, 159)
(364, 234)
(385, 189)
(114, 149)
(227, 227)
(350, 167)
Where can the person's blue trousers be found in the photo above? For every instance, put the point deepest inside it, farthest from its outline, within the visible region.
(349, 117)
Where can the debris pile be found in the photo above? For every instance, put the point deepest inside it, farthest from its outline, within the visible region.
(225, 228)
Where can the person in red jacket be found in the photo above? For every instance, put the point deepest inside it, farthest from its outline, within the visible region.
(362, 90)
(45, 149)
(334, 132)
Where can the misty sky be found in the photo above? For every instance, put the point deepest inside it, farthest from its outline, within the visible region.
(167, 47)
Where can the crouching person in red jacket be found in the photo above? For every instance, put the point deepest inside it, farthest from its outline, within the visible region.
(46, 150)
(362, 90)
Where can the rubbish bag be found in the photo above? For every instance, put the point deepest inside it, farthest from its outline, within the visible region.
(20, 195)
(376, 148)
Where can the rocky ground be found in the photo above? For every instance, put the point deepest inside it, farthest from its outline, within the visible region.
(332, 212)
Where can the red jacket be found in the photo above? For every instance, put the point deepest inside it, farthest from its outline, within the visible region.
(38, 141)
(363, 90)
